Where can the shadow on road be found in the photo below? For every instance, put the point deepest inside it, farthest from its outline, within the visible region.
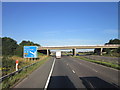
(95, 83)
(60, 82)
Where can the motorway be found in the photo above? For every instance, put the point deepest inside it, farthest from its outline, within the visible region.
(69, 72)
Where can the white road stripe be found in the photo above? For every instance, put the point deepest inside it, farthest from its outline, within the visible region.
(73, 71)
(94, 70)
(67, 64)
(100, 65)
(46, 85)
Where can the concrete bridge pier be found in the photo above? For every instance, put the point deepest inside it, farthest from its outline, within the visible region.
(48, 52)
(74, 52)
(101, 51)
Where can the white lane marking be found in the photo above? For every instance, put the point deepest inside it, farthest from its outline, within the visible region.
(46, 85)
(94, 70)
(73, 71)
(67, 63)
(100, 65)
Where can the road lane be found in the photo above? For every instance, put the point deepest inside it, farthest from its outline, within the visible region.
(81, 74)
(71, 72)
(104, 71)
(114, 60)
(64, 77)
(38, 78)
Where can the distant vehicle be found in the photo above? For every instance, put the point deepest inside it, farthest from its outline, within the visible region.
(58, 54)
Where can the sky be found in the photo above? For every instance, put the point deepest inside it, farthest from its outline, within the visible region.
(60, 23)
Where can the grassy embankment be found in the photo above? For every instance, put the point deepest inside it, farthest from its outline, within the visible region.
(10, 81)
(116, 66)
(112, 54)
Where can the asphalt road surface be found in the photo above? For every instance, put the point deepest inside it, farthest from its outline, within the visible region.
(69, 72)
(114, 60)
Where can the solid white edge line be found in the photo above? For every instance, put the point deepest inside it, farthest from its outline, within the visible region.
(46, 85)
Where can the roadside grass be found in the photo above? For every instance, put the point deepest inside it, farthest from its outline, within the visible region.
(8, 63)
(116, 66)
(11, 81)
(112, 55)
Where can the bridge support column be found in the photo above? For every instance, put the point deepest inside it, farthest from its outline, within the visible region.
(74, 52)
(48, 52)
(101, 51)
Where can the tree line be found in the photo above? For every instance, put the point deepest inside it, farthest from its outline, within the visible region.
(10, 46)
(110, 50)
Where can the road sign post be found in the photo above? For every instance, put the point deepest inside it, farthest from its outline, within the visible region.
(16, 65)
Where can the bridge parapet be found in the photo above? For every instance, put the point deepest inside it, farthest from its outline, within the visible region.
(80, 47)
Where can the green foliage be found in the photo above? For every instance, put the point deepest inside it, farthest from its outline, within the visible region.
(118, 50)
(28, 43)
(97, 50)
(10, 81)
(0, 46)
(108, 50)
(114, 41)
(7, 65)
(19, 49)
(8, 46)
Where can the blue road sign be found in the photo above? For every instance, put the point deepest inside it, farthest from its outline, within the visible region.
(30, 52)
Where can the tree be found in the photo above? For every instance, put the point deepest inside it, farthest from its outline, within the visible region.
(28, 43)
(114, 41)
(118, 50)
(8, 46)
(109, 50)
(97, 50)
(19, 49)
(0, 46)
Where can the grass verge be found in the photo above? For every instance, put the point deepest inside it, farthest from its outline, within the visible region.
(10, 81)
(115, 66)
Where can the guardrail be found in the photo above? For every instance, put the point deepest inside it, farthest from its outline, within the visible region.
(13, 73)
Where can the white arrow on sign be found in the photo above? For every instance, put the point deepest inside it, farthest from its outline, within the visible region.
(33, 53)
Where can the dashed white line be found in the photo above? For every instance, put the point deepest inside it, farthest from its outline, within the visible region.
(101, 65)
(94, 70)
(73, 71)
(67, 63)
(46, 85)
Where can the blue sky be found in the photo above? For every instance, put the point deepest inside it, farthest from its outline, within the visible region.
(57, 24)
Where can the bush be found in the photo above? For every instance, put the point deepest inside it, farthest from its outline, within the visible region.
(8, 46)
(7, 65)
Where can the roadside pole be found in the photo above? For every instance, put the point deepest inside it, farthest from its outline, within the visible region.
(16, 65)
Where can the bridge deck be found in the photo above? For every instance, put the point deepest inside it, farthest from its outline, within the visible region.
(79, 47)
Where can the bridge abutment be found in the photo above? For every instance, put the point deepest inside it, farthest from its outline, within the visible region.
(74, 52)
(101, 49)
(48, 52)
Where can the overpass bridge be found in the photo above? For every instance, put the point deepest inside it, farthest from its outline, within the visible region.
(79, 47)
